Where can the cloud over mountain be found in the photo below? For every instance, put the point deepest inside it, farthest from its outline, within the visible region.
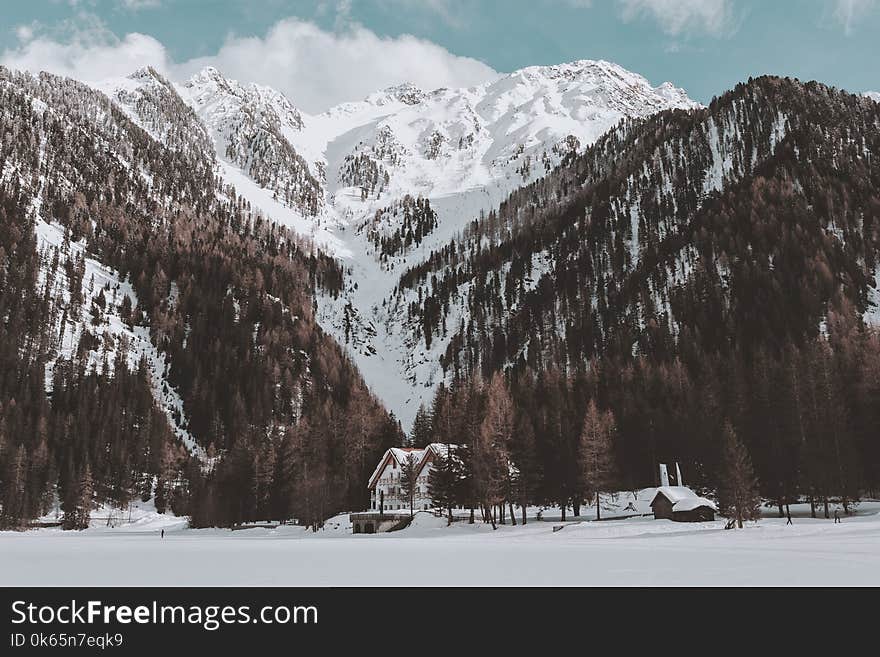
(316, 67)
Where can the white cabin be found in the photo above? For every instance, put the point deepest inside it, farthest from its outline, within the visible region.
(384, 483)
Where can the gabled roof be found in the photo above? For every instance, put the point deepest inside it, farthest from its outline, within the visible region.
(683, 498)
(400, 454)
(436, 449)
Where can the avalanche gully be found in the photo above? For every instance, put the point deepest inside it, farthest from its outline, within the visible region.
(341, 177)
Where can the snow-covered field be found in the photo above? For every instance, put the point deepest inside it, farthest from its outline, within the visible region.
(635, 551)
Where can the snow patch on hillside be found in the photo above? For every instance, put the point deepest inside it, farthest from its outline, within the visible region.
(463, 149)
(102, 284)
(872, 315)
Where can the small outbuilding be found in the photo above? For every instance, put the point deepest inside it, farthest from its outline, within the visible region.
(681, 504)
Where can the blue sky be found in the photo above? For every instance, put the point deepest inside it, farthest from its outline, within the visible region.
(324, 51)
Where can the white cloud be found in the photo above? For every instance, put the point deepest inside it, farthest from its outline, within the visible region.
(87, 51)
(849, 12)
(676, 17)
(315, 68)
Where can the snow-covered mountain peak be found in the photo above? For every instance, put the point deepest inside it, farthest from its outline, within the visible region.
(209, 86)
(382, 181)
(464, 150)
(579, 69)
(873, 95)
(600, 84)
(148, 73)
(406, 93)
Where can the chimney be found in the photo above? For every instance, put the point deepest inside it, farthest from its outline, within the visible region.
(664, 475)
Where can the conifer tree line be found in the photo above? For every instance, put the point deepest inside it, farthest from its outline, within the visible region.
(627, 309)
(804, 421)
(611, 254)
(682, 302)
(285, 426)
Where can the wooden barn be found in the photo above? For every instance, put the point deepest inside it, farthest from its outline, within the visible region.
(681, 504)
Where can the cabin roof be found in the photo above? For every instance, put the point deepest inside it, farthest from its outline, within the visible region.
(400, 454)
(683, 498)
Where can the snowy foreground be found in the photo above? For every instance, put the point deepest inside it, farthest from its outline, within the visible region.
(634, 551)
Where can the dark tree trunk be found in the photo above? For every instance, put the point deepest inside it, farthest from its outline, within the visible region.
(523, 513)
(512, 514)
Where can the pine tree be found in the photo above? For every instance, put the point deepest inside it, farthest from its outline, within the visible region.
(420, 435)
(79, 508)
(13, 510)
(491, 460)
(409, 471)
(443, 482)
(738, 496)
(598, 466)
(524, 455)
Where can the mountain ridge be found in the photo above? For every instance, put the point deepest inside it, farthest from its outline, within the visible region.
(328, 176)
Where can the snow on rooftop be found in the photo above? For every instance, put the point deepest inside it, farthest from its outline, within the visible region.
(691, 503)
(683, 498)
(400, 454)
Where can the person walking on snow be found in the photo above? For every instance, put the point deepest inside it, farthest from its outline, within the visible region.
(836, 516)
(163, 533)
(788, 513)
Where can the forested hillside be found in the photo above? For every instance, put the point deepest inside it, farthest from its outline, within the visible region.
(691, 274)
(689, 269)
(157, 335)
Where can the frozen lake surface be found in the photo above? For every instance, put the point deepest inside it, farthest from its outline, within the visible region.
(636, 551)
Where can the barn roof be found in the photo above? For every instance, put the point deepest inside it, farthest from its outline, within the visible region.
(683, 498)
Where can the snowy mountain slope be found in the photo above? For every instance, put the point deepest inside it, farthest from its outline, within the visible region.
(94, 308)
(340, 176)
(154, 104)
(464, 150)
(620, 247)
(165, 312)
(106, 293)
(249, 124)
(471, 143)
(245, 132)
(873, 95)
